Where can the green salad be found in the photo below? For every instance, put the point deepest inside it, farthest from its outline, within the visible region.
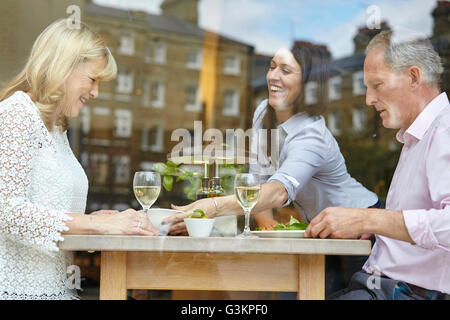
(294, 224)
(198, 214)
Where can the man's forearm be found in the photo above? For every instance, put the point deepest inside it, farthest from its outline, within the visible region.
(387, 223)
(272, 195)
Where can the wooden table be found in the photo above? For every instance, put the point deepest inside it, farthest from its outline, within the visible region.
(215, 263)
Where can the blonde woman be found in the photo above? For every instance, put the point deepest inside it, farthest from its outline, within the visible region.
(43, 188)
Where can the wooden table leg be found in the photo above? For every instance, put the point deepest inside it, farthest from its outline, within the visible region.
(311, 277)
(113, 276)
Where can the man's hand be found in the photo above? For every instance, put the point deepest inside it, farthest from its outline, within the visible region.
(337, 223)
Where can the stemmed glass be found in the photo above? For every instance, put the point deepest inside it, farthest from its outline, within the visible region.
(247, 188)
(146, 187)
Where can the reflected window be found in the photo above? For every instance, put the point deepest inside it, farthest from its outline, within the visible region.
(232, 65)
(311, 93)
(122, 166)
(146, 93)
(192, 102)
(358, 83)
(159, 53)
(123, 123)
(124, 82)
(334, 122)
(99, 167)
(194, 59)
(147, 165)
(334, 88)
(126, 45)
(148, 52)
(153, 138)
(158, 94)
(359, 119)
(231, 103)
(85, 119)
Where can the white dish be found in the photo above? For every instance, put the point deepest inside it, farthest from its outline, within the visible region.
(279, 233)
(199, 228)
(157, 215)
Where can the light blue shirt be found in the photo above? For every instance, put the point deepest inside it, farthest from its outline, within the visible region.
(309, 164)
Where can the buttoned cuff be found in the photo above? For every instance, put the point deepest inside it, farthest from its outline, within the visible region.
(419, 228)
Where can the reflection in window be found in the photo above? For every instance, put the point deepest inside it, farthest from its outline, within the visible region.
(122, 166)
(194, 59)
(126, 45)
(232, 65)
(159, 53)
(158, 94)
(358, 83)
(147, 165)
(311, 93)
(231, 103)
(333, 122)
(85, 119)
(146, 93)
(152, 138)
(123, 123)
(334, 88)
(124, 82)
(148, 52)
(192, 103)
(359, 119)
(99, 167)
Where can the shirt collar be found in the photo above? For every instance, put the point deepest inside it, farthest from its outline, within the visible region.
(424, 120)
(292, 124)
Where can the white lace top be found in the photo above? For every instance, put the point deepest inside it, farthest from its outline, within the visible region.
(40, 181)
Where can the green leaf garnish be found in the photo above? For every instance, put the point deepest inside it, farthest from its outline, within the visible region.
(198, 214)
(294, 224)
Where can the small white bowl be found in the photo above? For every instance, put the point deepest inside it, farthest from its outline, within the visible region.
(157, 215)
(199, 228)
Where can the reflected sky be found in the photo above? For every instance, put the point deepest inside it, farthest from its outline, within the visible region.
(269, 24)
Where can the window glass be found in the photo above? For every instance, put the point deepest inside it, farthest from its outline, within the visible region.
(359, 119)
(159, 53)
(126, 45)
(189, 70)
(232, 65)
(334, 122)
(358, 83)
(231, 103)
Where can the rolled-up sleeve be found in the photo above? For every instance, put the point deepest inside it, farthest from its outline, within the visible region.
(305, 154)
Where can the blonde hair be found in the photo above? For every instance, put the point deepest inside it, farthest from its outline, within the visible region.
(57, 51)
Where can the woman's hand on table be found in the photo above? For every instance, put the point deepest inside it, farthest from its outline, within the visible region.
(128, 222)
(104, 212)
(177, 220)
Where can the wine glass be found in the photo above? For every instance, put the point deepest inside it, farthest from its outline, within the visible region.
(247, 188)
(146, 187)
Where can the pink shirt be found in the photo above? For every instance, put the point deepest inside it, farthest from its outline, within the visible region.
(421, 189)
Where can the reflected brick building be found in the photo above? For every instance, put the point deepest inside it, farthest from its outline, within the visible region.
(171, 73)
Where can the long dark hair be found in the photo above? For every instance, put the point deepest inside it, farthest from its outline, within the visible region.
(314, 64)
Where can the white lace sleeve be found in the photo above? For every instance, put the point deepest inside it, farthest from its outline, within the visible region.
(21, 136)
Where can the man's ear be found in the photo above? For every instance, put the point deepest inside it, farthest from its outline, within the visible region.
(415, 76)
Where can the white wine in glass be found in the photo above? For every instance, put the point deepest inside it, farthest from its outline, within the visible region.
(146, 187)
(247, 189)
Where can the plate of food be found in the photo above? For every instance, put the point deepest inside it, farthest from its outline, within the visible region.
(295, 229)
